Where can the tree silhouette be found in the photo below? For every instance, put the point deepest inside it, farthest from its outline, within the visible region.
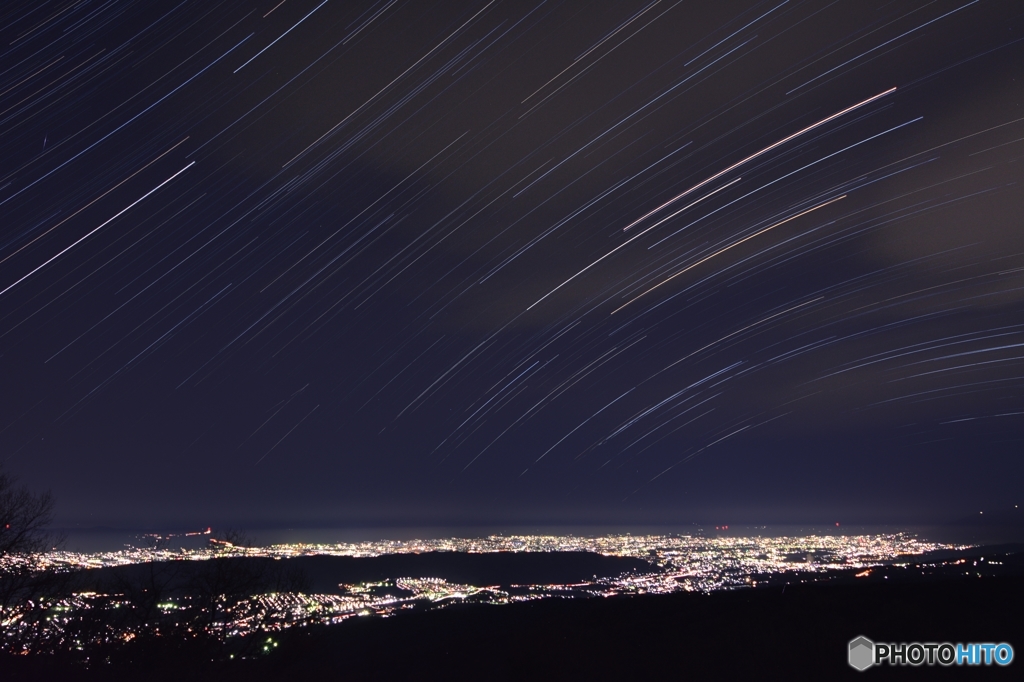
(25, 518)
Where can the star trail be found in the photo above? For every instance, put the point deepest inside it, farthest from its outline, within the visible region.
(393, 262)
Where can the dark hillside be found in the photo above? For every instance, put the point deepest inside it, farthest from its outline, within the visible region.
(797, 633)
(325, 573)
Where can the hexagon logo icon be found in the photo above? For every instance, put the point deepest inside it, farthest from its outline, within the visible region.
(862, 653)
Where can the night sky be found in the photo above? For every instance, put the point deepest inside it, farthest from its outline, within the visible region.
(358, 263)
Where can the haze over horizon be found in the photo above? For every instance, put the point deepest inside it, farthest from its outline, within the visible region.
(369, 264)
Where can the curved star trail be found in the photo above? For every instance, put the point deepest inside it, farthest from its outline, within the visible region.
(368, 262)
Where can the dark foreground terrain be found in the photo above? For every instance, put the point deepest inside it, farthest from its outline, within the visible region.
(799, 632)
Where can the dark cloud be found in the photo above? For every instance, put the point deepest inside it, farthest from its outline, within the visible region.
(394, 285)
